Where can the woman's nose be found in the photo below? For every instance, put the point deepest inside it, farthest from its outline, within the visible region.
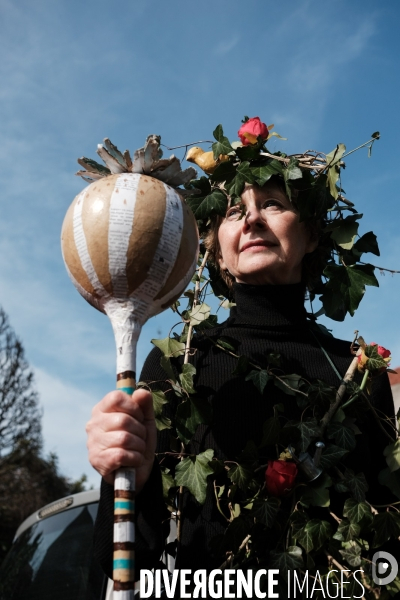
(254, 218)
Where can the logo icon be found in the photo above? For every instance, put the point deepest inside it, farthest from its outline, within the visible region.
(384, 568)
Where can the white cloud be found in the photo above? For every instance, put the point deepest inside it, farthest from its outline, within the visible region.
(66, 411)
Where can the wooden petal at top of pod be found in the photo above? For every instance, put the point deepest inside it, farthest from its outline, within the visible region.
(71, 254)
(186, 260)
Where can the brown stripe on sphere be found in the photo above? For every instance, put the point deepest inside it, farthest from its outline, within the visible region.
(148, 222)
(187, 251)
(170, 302)
(95, 222)
(70, 252)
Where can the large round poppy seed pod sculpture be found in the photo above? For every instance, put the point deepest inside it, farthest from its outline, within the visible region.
(130, 245)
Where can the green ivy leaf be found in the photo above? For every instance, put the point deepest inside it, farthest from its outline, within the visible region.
(386, 525)
(288, 383)
(250, 152)
(209, 323)
(331, 454)
(345, 234)
(259, 378)
(203, 186)
(167, 367)
(355, 511)
(263, 173)
(186, 378)
(271, 431)
(391, 480)
(347, 531)
(357, 484)
(333, 160)
(243, 175)
(215, 203)
(351, 553)
(346, 286)
(167, 483)
(169, 346)
(313, 534)
(227, 343)
(297, 521)
(367, 243)
(375, 360)
(199, 313)
(392, 454)
(162, 422)
(321, 394)
(343, 436)
(394, 587)
(309, 430)
(265, 510)
(292, 170)
(241, 474)
(286, 561)
(222, 145)
(192, 473)
(225, 171)
(189, 415)
(274, 359)
(317, 495)
(159, 399)
(242, 366)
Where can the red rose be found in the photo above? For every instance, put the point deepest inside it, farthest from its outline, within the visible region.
(381, 350)
(252, 129)
(280, 476)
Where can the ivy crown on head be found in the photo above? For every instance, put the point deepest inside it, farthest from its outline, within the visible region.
(312, 181)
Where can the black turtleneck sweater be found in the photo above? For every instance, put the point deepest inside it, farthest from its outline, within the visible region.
(266, 319)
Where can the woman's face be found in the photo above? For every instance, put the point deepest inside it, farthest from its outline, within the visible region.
(266, 245)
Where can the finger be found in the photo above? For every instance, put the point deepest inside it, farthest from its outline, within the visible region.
(136, 405)
(144, 401)
(108, 422)
(120, 439)
(108, 461)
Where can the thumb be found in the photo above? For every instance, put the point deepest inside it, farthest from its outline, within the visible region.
(144, 401)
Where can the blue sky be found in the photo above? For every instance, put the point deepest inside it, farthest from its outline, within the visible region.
(72, 73)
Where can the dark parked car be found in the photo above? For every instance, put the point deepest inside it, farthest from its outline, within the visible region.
(51, 557)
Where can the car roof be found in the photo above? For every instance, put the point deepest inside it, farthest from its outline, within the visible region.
(58, 506)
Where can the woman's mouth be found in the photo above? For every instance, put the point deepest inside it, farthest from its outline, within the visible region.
(256, 246)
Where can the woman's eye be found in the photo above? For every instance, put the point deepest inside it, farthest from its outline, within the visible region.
(234, 212)
(271, 202)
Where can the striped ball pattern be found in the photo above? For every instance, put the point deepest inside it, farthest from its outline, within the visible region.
(130, 236)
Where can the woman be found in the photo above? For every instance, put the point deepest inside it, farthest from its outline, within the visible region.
(263, 247)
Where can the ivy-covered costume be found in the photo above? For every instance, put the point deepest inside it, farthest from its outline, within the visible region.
(266, 319)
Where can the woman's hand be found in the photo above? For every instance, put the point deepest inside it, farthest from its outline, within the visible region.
(122, 433)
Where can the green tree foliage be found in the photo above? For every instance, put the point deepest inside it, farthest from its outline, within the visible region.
(27, 479)
(19, 410)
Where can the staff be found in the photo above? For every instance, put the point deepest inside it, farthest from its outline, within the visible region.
(130, 246)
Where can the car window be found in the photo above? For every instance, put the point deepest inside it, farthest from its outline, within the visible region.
(53, 560)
